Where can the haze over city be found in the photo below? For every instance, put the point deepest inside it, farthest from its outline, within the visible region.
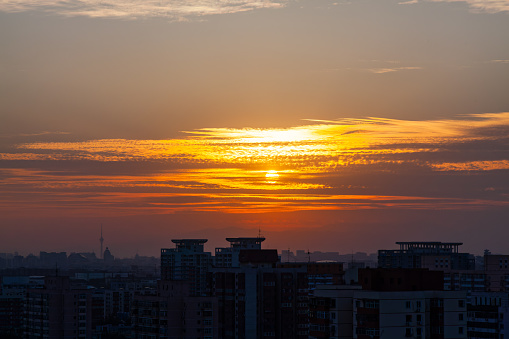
(325, 125)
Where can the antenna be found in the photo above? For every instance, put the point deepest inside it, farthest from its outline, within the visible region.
(101, 254)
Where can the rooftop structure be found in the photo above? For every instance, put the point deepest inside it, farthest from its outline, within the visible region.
(429, 246)
(246, 243)
(195, 245)
(433, 255)
(229, 256)
(188, 262)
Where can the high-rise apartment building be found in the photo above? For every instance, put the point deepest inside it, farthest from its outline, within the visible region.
(58, 310)
(187, 262)
(348, 312)
(171, 312)
(259, 299)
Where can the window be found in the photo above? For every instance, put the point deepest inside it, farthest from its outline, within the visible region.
(408, 304)
(461, 303)
(321, 315)
(460, 330)
(460, 316)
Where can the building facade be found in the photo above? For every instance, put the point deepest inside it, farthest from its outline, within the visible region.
(187, 262)
(432, 255)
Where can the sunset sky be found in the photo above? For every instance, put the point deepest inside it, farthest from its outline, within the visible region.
(327, 125)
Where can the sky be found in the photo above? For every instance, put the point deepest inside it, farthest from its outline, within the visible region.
(322, 125)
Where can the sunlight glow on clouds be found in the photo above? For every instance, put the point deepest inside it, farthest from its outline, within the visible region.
(184, 9)
(130, 9)
(324, 165)
(346, 141)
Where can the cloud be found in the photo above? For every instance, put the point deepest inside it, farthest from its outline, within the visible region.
(36, 134)
(314, 147)
(410, 2)
(391, 69)
(132, 9)
(347, 164)
(488, 6)
(474, 166)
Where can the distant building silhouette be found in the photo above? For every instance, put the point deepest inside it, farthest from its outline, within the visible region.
(108, 257)
(432, 255)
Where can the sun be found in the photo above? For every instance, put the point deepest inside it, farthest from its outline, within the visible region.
(271, 175)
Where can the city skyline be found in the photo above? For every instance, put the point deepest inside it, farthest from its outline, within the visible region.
(329, 125)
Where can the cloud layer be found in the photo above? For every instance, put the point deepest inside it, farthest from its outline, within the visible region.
(489, 6)
(131, 9)
(329, 165)
(182, 9)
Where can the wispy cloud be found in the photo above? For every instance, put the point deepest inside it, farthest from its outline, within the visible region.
(346, 164)
(391, 69)
(410, 2)
(347, 141)
(37, 134)
(489, 6)
(132, 9)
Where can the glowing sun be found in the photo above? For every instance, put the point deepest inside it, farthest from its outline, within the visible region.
(272, 175)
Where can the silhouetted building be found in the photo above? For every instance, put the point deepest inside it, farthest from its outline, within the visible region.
(486, 311)
(187, 262)
(172, 312)
(349, 312)
(78, 260)
(331, 311)
(58, 310)
(399, 279)
(320, 273)
(496, 268)
(108, 257)
(432, 255)
(12, 296)
(53, 259)
(471, 281)
(259, 299)
(229, 256)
